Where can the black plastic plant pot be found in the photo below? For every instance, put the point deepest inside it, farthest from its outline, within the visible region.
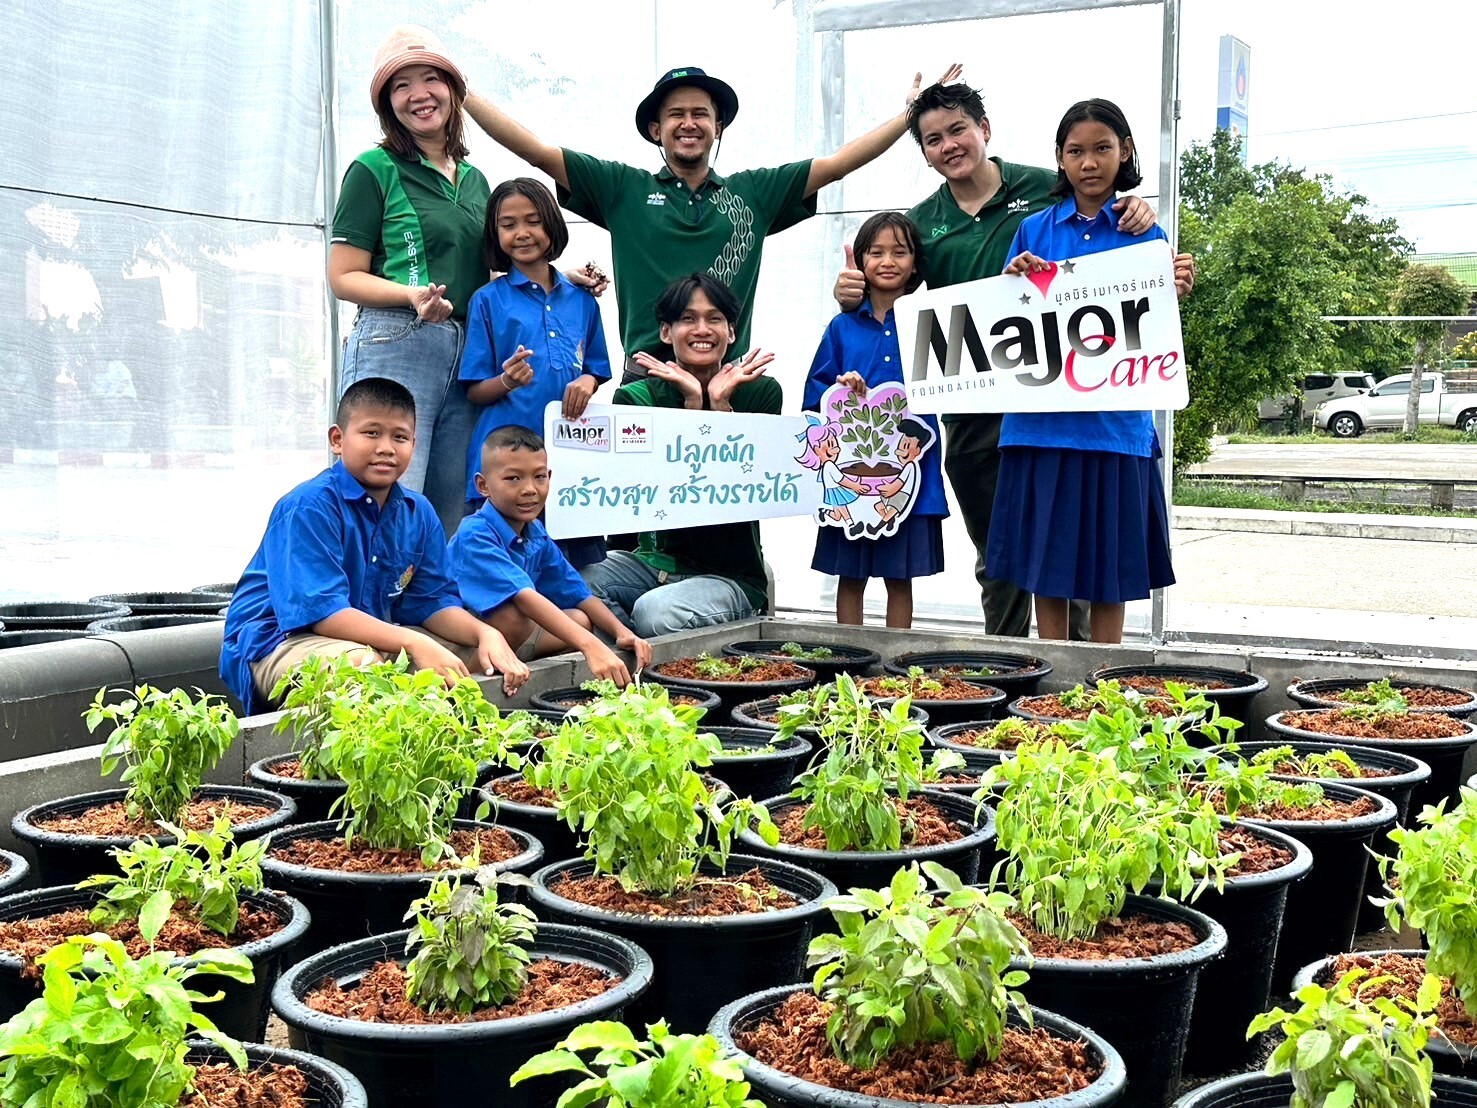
(152, 622)
(976, 757)
(345, 906)
(1140, 1005)
(1406, 774)
(751, 714)
(224, 590)
(1321, 693)
(57, 615)
(733, 693)
(988, 704)
(164, 603)
(13, 875)
(10, 639)
(874, 869)
(1236, 987)
(329, 1084)
(243, 1009)
(466, 1064)
(856, 660)
(1323, 909)
(1235, 700)
(1447, 1056)
(64, 858)
(751, 771)
(702, 962)
(313, 798)
(778, 1089)
(543, 823)
(562, 700)
(1017, 674)
(1444, 756)
(1257, 1090)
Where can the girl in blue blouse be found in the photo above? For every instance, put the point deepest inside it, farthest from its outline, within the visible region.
(1080, 510)
(860, 350)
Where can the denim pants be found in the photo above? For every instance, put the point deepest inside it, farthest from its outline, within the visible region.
(424, 357)
(650, 603)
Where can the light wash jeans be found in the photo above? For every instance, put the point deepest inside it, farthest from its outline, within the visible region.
(424, 357)
(651, 605)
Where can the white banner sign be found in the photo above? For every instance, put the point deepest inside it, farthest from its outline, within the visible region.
(623, 469)
(1098, 333)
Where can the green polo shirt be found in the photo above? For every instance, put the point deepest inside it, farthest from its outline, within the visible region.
(419, 228)
(729, 550)
(959, 247)
(661, 230)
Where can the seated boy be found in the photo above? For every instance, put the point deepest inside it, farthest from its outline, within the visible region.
(692, 576)
(353, 564)
(513, 575)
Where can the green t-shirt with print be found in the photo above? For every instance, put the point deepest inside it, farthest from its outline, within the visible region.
(419, 227)
(661, 230)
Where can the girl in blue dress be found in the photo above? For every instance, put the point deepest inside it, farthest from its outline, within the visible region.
(860, 350)
(1080, 511)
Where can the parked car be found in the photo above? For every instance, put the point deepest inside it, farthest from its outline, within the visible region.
(1449, 402)
(1317, 387)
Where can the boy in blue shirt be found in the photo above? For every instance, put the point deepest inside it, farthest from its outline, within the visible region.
(353, 564)
(514, 577)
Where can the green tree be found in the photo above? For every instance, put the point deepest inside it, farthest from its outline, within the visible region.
(1431, 291)
(1465, 349)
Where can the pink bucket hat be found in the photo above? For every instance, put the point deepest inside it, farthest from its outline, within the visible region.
(406, 45)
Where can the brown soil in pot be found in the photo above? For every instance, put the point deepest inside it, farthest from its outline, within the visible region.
(1033, 1065)
(222, 1085)
(741, 894)
(1258, 855)
(980, 736)
(1052, 707)
(951, 688)
(1155, 686)
(1394, 725)
(923, 825)
(1416, 697)
(1326, 809)
(111, 820)
(1132, 936)
(686, 668)
(379, 997)
(288, 767)
(1334, 770)
(332, 854)
(30, 938)
(1451, 1015)
(672, 698)
(520, 791)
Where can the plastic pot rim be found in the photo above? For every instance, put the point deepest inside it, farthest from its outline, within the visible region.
(1211, 946)
(1289, 873)
(546, 701)
(994, 694)
(796, 746)
(1275, 725)
(262, 768)
(1257, 1080)
(22, 825)
(1252, 684)
(984, 831)
(1410, 777)
(484, 792)
(1383, 816)
(295, 1012)
(1297, 694)
(1104, 1090)
(842, 652)
(201, 1050)
(15, 873)
(777, 687)
(1034, 667)
(532, 852)
(752, 722)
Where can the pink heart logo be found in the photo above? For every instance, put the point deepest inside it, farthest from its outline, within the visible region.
(1042, 279)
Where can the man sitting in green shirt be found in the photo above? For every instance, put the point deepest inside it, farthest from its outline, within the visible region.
(692, 576)
(684, 217)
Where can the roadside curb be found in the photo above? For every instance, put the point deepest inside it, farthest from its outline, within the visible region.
(1348, 526)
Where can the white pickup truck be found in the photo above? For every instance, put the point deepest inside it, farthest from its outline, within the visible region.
(1452, 403)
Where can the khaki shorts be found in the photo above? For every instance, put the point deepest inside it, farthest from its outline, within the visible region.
(296, 649)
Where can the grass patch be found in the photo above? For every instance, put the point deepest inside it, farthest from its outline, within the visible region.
(1212, 494)
(1424, 434)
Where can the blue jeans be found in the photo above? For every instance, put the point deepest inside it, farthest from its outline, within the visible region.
(650, 604)
(424, 357)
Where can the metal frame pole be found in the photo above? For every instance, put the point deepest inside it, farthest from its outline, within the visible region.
(328, 84)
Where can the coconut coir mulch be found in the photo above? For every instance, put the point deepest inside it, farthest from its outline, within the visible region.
(742, 894)
(1006, 740)
(923, 825)
(1420, 696)
(1032, 1065)
(112, 821)
(379, 997)
(1451, 1015)
(1394, 725)
(30, 938)
(289, 768)
(1131, 936)
(1156, 686)
(221, 1085)
(332, 854)
(519, 791)
(1258, 855)
(686, 668)
(949, 688)
(1334, 769)
(672, 698)
(1051, 707)
(1326, 809)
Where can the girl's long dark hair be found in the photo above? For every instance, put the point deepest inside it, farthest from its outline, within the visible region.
(1111, 115)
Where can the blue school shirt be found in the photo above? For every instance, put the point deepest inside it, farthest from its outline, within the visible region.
(856, 342)
(561, 328)
(1055, 235)
(491, 563)
(329, 546)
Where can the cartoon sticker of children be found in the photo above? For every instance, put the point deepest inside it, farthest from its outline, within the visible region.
(839, 491)
(898, 494)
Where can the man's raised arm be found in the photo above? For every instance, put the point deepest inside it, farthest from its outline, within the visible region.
(518, 139)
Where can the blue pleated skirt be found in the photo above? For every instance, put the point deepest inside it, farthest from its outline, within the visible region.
(1080, 525)
(916, 550)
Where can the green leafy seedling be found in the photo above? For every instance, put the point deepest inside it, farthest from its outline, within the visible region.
(470, 950)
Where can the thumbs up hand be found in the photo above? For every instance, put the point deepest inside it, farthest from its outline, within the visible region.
(851, 285)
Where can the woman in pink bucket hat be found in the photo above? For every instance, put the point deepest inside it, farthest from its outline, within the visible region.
(407, 249)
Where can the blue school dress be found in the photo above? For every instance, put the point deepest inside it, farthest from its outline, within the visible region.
(858, 342)
(1080, 511)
